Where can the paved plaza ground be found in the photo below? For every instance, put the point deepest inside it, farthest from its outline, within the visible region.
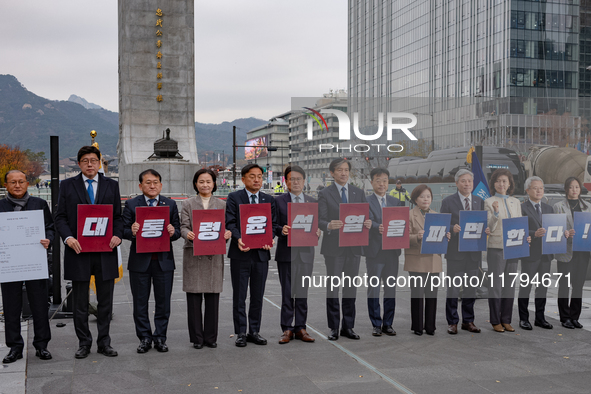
(538, 361)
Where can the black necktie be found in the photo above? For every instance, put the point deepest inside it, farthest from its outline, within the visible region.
(539, 212)
(253, 199)
(343, 195)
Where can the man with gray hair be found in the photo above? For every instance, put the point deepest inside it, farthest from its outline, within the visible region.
(461, 263)
(537, 263)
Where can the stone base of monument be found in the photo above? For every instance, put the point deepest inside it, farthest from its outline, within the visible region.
(177, 176)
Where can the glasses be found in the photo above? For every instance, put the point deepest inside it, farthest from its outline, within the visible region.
(150, 183)
(91, 161)
(12, 183)
(296, 179)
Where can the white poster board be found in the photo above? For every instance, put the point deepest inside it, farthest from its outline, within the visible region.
(22, 257)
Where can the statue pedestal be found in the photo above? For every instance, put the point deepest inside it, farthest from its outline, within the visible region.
(177, 176)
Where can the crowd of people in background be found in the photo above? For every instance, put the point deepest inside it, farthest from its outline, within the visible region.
(203, 275)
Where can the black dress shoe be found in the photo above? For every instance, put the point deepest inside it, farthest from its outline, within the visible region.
(388, 330)
(577, 324)
(212, 345)
(429, 332)
(568, 324)
(145, 345)
(12, 356)
(43, 354)
(524, 324)
(333, 335)
(417, 332)
(82, 352)
(240, 340)
(543, 324)
(256, 338)
(160, 346)
(377, 332)
(200, 345)
(349, 333)
(107, 351)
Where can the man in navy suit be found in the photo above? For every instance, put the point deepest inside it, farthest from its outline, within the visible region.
(293, 263)
(89, 187)
(339, 260)
(461, 263)
(147, 268)
(537, 263)
(248, 267)
(380, 263)
(18, 199)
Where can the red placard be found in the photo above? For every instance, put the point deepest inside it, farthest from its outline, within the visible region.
(303, 220)
(396, 228)
(153, 236)
(209, 226)
(95, 227)
(256, 225)
(353, 232)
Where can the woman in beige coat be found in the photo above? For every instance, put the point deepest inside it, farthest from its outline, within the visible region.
(498, 207)
(421, 266)
(203, 276)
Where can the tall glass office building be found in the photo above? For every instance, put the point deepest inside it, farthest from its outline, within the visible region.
(497, 72)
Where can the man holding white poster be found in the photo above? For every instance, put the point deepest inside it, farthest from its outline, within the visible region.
(18, 199)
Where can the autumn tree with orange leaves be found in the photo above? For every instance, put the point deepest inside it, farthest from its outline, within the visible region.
(13, 158)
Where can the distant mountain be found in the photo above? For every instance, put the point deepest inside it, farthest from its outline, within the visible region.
(28, 120)
(218, 137)
(79, 100)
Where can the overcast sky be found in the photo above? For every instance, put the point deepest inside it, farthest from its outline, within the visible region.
(251, 57)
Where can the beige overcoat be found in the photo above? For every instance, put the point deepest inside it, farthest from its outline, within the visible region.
(414, 261)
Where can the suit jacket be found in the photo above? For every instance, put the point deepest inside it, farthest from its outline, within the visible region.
(233, 202)
(329, 200)
(453, 204)
(534, 221)
(201, 274)
(140, 262)
(72, 193)
(33, 204)
(283, 252)
(563, 207)
(414, 261)
(495, 223)
(374, 249)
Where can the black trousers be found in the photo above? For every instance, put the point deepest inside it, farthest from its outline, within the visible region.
(500, 298)
(141, 283)
(378, 268)
(577, 268)
(294, 296)
(347, 265)
(423, 303)
(243, 272)
(457, 268)
(104, 295)
(12, 300)
(203, 327)
(532, 268)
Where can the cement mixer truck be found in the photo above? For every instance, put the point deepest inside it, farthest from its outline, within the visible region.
(554, 164)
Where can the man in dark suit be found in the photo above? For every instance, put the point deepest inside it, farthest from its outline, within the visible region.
(537, 263)
(147, 268)
(18, 199)
(89, 187)
(380, 263)
(461, 263)
(339, 260)
(248, 267)
(293, 263)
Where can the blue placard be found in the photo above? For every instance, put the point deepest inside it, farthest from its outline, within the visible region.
(436, 227)
(515, 233)
(554, 241)
(472, 235)
(582, 238)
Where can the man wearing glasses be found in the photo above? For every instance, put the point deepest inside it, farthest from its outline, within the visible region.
(18, 199)
(89, 187)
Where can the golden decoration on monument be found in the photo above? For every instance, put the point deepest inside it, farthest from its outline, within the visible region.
(159, 23)
(159, 98)
(159, 65)
(159, 12)
(159, 75)
(159, 85)
(159, 55)
(159, 43)
(158, 33)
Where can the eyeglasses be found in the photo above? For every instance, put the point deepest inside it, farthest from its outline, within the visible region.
(150, 183)
(12, 183)
(296, 179)
(91, 161)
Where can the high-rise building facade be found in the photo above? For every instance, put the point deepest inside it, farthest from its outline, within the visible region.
(496, 72)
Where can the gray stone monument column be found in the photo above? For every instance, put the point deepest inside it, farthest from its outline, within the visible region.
(156, 91)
